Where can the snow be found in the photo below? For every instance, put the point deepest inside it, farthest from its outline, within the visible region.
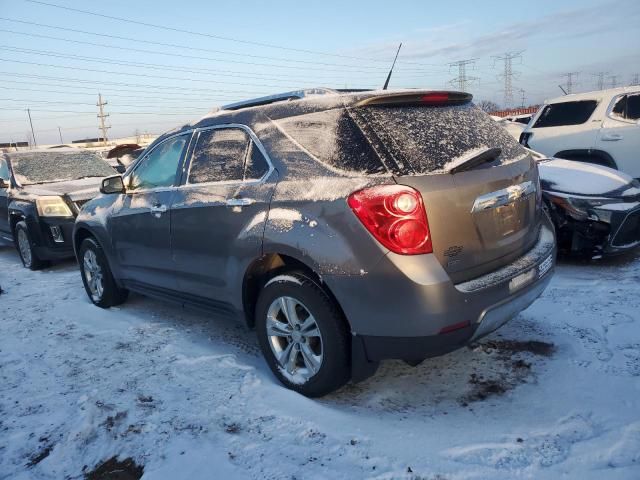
(553, 394)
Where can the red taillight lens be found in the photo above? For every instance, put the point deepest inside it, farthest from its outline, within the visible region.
(395, 216)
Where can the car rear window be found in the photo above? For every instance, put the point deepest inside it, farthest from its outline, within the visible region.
(565, 113)
(425, 139)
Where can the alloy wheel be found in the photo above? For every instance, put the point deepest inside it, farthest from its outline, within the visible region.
(93, 275)
(25, 248)
(295, 339)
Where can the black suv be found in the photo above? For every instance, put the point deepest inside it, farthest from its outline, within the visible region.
(347, 227)
(41, 193)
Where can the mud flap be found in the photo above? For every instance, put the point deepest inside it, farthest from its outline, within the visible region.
(361, 367)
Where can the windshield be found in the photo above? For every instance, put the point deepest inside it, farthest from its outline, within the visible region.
(44, 167)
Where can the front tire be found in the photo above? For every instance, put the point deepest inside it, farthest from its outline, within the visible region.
(97, 278)
(25, 248)
(303, 335)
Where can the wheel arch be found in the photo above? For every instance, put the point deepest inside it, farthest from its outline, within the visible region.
(264, 268)
(588, 155)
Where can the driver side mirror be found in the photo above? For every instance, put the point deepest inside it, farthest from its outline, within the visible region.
(4, 183)
(113, 184)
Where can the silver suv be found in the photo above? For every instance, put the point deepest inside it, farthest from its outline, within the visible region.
(346, 227)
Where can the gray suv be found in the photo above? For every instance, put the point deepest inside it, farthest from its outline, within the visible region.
(347, 227)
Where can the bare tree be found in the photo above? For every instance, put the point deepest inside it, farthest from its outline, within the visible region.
(488, 106)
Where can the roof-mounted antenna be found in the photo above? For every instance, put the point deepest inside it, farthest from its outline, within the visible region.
(386, 84)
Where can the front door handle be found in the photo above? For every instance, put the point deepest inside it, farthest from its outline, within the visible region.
(611, 137)
(239, 202)
(158, 210)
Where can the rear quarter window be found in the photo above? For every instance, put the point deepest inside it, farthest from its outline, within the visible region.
(565, 113)
(332, 137)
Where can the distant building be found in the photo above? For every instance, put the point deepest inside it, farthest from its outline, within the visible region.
(88, 140)
(516, 111)
(14, 144)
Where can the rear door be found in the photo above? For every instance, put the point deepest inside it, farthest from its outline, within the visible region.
(479, 219)
(141, 221)
(4, 200)
(620, 133)
(219, 211)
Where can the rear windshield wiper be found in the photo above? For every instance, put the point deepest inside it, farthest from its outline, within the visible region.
(483, 156)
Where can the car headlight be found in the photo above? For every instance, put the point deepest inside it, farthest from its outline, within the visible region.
(578, 207)
(53, 207)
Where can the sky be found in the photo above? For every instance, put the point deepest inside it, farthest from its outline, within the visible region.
(159, 64)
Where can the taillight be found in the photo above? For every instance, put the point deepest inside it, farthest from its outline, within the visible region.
(395, 216)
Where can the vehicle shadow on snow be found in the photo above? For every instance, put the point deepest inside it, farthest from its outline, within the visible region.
(480, 372)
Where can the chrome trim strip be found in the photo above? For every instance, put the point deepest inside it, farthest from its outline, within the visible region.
(503, 197)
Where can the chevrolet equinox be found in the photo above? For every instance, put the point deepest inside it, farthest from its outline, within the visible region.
(347, 227)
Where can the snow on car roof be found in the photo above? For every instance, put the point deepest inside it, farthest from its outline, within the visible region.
(593, 95)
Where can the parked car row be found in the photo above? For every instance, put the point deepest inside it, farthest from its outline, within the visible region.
(346, 227)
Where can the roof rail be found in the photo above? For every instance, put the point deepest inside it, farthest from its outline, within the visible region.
(278, 97)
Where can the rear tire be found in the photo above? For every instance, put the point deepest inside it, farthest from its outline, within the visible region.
(97, 278)
(24, 245)
(303, 335)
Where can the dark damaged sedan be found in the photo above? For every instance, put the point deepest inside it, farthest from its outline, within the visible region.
(595, 209)
(41, 193)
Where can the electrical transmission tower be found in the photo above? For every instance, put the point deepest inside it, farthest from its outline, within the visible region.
(508, 74)
(572, 78)
(600, 79)
(522, 93)
(463, 80)
(613, 80)
(635, 79)
(102, 116)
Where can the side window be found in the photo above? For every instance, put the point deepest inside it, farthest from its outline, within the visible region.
(159, 168)
(256, 165)
(4, 170)
(566, 113)
(620, 107)
(633, 107)
(219, 155)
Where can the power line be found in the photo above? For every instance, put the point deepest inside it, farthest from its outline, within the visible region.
(462, 80)
(508, 74)
(635, 79)
(305, 63)
(217, 37)
(571, 81)
(153, 66)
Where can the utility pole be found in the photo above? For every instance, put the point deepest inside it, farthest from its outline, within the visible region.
(60, 132)
(462, 80)
(523, 97)
(35, 144)
(508, 75)
(635, 79)
(102, 116)
(600, 81)
(571, 81)
(614, 80)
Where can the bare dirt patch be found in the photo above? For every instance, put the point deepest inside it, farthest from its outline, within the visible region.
(114, 469)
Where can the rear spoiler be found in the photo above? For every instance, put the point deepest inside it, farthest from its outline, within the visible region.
(405, 99)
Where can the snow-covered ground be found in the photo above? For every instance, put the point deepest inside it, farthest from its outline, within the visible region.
(554, 394)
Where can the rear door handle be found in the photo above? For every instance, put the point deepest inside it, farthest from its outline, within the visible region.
(157, 209)
(239, 202)
(612, 137)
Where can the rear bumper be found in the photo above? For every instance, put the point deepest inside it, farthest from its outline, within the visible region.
(401, 309)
